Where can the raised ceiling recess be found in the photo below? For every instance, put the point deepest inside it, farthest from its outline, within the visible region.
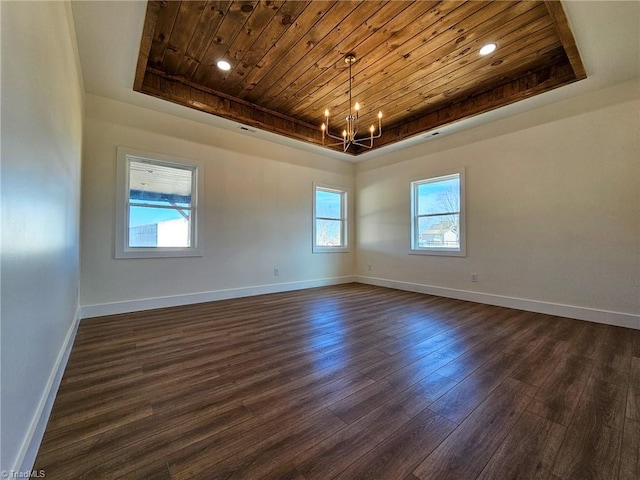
(417, 61)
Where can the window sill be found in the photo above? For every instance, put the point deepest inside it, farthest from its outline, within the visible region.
(158, 253)
(440, 253)
(330, 250)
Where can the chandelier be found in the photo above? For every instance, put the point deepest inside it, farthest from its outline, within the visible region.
(350, 132)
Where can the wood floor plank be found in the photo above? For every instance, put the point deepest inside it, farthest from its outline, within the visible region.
(263, 403)
(282, 413)
(411, 476)
(220, 458)
(396, 362)
(462, 399)
(497, 336)
(533, 334)
(335, 453)
(420, 369)
(343, 381)
(588, 341)
(396, 457)
(267, 454)
(558, 397)
(591, 446)
(321, 396)
(612, 359)
(150, 471)
(67, 435)
(284, 472)
(633, 396)
(636, 343)
(466, 451)
(528, 451)
(393, 345)
(423, 393)
(630, 455)
(147, 441)
(472, 360)
(541, 363)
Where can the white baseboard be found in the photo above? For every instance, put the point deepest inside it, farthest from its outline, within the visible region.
(570, 311)
(29, 448)
(99, 310)
(580, 313)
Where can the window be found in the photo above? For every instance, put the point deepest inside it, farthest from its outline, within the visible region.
(437, 215)
(158, 200)
(330, 219)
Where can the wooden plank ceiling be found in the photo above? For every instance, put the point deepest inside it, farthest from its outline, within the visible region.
(417, 61)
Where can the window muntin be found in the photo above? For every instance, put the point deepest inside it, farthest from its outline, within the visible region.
(438, 215)
(157, 206)
(330, 219)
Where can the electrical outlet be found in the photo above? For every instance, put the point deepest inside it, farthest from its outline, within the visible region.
(276, 272)
(369, 267)
(474, 277)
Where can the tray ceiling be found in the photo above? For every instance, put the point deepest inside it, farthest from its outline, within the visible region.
(417, 61)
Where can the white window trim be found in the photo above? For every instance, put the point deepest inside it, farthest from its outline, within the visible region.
(414, 249)
(345, 219)
(121, 247)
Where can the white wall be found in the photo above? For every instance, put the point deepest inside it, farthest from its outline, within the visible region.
(41, 150)
(553, 202)
(257, 214)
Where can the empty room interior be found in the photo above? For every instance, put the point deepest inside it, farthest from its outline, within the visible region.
(314, 240)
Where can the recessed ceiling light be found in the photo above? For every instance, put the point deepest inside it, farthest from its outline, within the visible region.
(223, 65)
(488, 48)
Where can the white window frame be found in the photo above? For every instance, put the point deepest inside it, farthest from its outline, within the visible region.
(122, 249)
(417, 250)
(344, 194)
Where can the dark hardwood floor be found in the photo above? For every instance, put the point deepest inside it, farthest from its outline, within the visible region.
(346, 382)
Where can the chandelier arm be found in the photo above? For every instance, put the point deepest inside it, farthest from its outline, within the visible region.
(341, 142)
(357, 142)
(335, 137)
(354, 139)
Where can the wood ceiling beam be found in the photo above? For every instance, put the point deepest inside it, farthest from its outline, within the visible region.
(150, 20)
(531, 83)
(556, 12)
(163, 86)
(518, 89)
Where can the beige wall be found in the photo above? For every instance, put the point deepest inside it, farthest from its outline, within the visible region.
(553, 208)
(552, 212)
(257, 213)
(41, 153)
